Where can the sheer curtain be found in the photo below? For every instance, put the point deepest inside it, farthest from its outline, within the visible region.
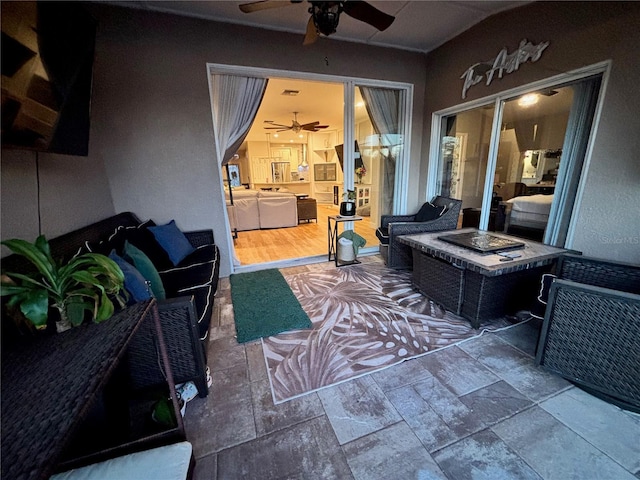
(235, 102)
(585, 98)
(383, 107)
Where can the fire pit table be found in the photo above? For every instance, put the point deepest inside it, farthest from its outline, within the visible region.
(477, 274)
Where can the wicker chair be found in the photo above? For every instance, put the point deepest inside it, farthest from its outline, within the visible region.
(398, 255)
(591, 328)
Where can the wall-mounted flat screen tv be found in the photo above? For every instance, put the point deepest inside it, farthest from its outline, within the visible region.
(47, 64)
(340, 153)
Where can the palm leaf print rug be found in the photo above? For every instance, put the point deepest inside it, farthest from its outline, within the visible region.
(365, 318)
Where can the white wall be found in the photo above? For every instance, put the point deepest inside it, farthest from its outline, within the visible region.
(607, 222)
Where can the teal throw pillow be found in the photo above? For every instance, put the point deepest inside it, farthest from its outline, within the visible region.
(173, 241)
(134, 282)
(145, 266)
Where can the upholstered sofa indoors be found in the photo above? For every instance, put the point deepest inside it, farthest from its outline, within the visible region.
(257, 209)
(189, 286)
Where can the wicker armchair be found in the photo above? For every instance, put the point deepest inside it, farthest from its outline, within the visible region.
(398, 255)
(591, 328)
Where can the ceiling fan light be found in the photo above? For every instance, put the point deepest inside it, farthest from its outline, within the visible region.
(326, 16)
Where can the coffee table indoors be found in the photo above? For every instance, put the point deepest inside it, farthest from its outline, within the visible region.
(478, 286)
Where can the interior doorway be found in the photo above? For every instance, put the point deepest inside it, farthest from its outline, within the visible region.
(293, 163)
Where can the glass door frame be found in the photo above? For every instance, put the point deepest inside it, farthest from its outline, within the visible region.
(349, 86)
(498, 100)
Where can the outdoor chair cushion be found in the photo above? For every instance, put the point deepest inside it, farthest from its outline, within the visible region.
(383, 235)
(429, 212)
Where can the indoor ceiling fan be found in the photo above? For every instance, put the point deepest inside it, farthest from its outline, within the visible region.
(295, 126)
(326, 15)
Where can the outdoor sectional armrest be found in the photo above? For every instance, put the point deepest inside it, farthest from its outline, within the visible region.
(598, 272)
(198, 238)
(409, 228)
(185, 350)
(589, 336)
(385, 220)
(180, 326)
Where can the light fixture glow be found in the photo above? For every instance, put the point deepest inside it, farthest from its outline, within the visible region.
(276, 135)
(528, 100)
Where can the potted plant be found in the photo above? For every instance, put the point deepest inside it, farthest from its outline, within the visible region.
(348, 206)
(87, 283)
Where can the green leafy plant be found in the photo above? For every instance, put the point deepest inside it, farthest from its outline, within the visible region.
(88, 282)
(349, 196)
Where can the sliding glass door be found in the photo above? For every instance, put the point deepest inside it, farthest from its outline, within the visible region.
(380, 131)
(516, 163)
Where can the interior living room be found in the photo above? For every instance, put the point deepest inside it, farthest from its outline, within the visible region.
(479, 408)
(296, 158)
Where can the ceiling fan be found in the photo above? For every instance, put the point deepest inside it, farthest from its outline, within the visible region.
(295, 126)
(326, 15)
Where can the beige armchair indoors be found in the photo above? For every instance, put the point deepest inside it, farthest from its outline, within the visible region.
(438, 215)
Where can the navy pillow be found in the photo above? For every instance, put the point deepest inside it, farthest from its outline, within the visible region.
(173, 241)
(428, 212)
(134, 282)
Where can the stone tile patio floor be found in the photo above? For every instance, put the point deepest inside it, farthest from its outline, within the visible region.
(478, 410)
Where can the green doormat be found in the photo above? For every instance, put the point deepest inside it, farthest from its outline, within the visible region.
(264, 305)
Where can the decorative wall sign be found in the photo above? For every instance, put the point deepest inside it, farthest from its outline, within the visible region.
(503, 63)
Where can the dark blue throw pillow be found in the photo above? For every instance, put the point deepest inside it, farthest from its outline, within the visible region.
(429, 212)
(173, 241)
(134, 282)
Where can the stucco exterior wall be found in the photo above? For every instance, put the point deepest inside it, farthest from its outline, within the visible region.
(151, 118)
(607, 221)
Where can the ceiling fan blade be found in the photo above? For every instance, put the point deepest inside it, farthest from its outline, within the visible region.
(312, 34)
(280, 129)
(314, 128)
(367, 13)
(311, 124)
(264, 5)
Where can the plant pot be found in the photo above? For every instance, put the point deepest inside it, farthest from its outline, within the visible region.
(347, 209)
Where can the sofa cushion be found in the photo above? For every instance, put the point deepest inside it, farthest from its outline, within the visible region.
(146, 267)
(189, 276)
(134, 282)
(197, 269)
(142, 238)
(139, 236)
(383, 235)
(429, 212)
(173, 241)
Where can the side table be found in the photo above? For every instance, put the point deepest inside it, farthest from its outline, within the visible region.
(332, 231)
(307, 209)
(51, 383)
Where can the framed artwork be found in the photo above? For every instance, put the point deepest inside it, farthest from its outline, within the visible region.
(234, 175)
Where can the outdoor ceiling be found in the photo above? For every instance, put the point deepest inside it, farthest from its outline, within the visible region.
(419, 26)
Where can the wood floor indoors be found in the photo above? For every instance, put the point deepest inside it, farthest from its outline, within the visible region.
(305, 240)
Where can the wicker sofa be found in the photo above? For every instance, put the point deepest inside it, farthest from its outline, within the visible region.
(398, 255)
(190, 286)
(591, 328)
